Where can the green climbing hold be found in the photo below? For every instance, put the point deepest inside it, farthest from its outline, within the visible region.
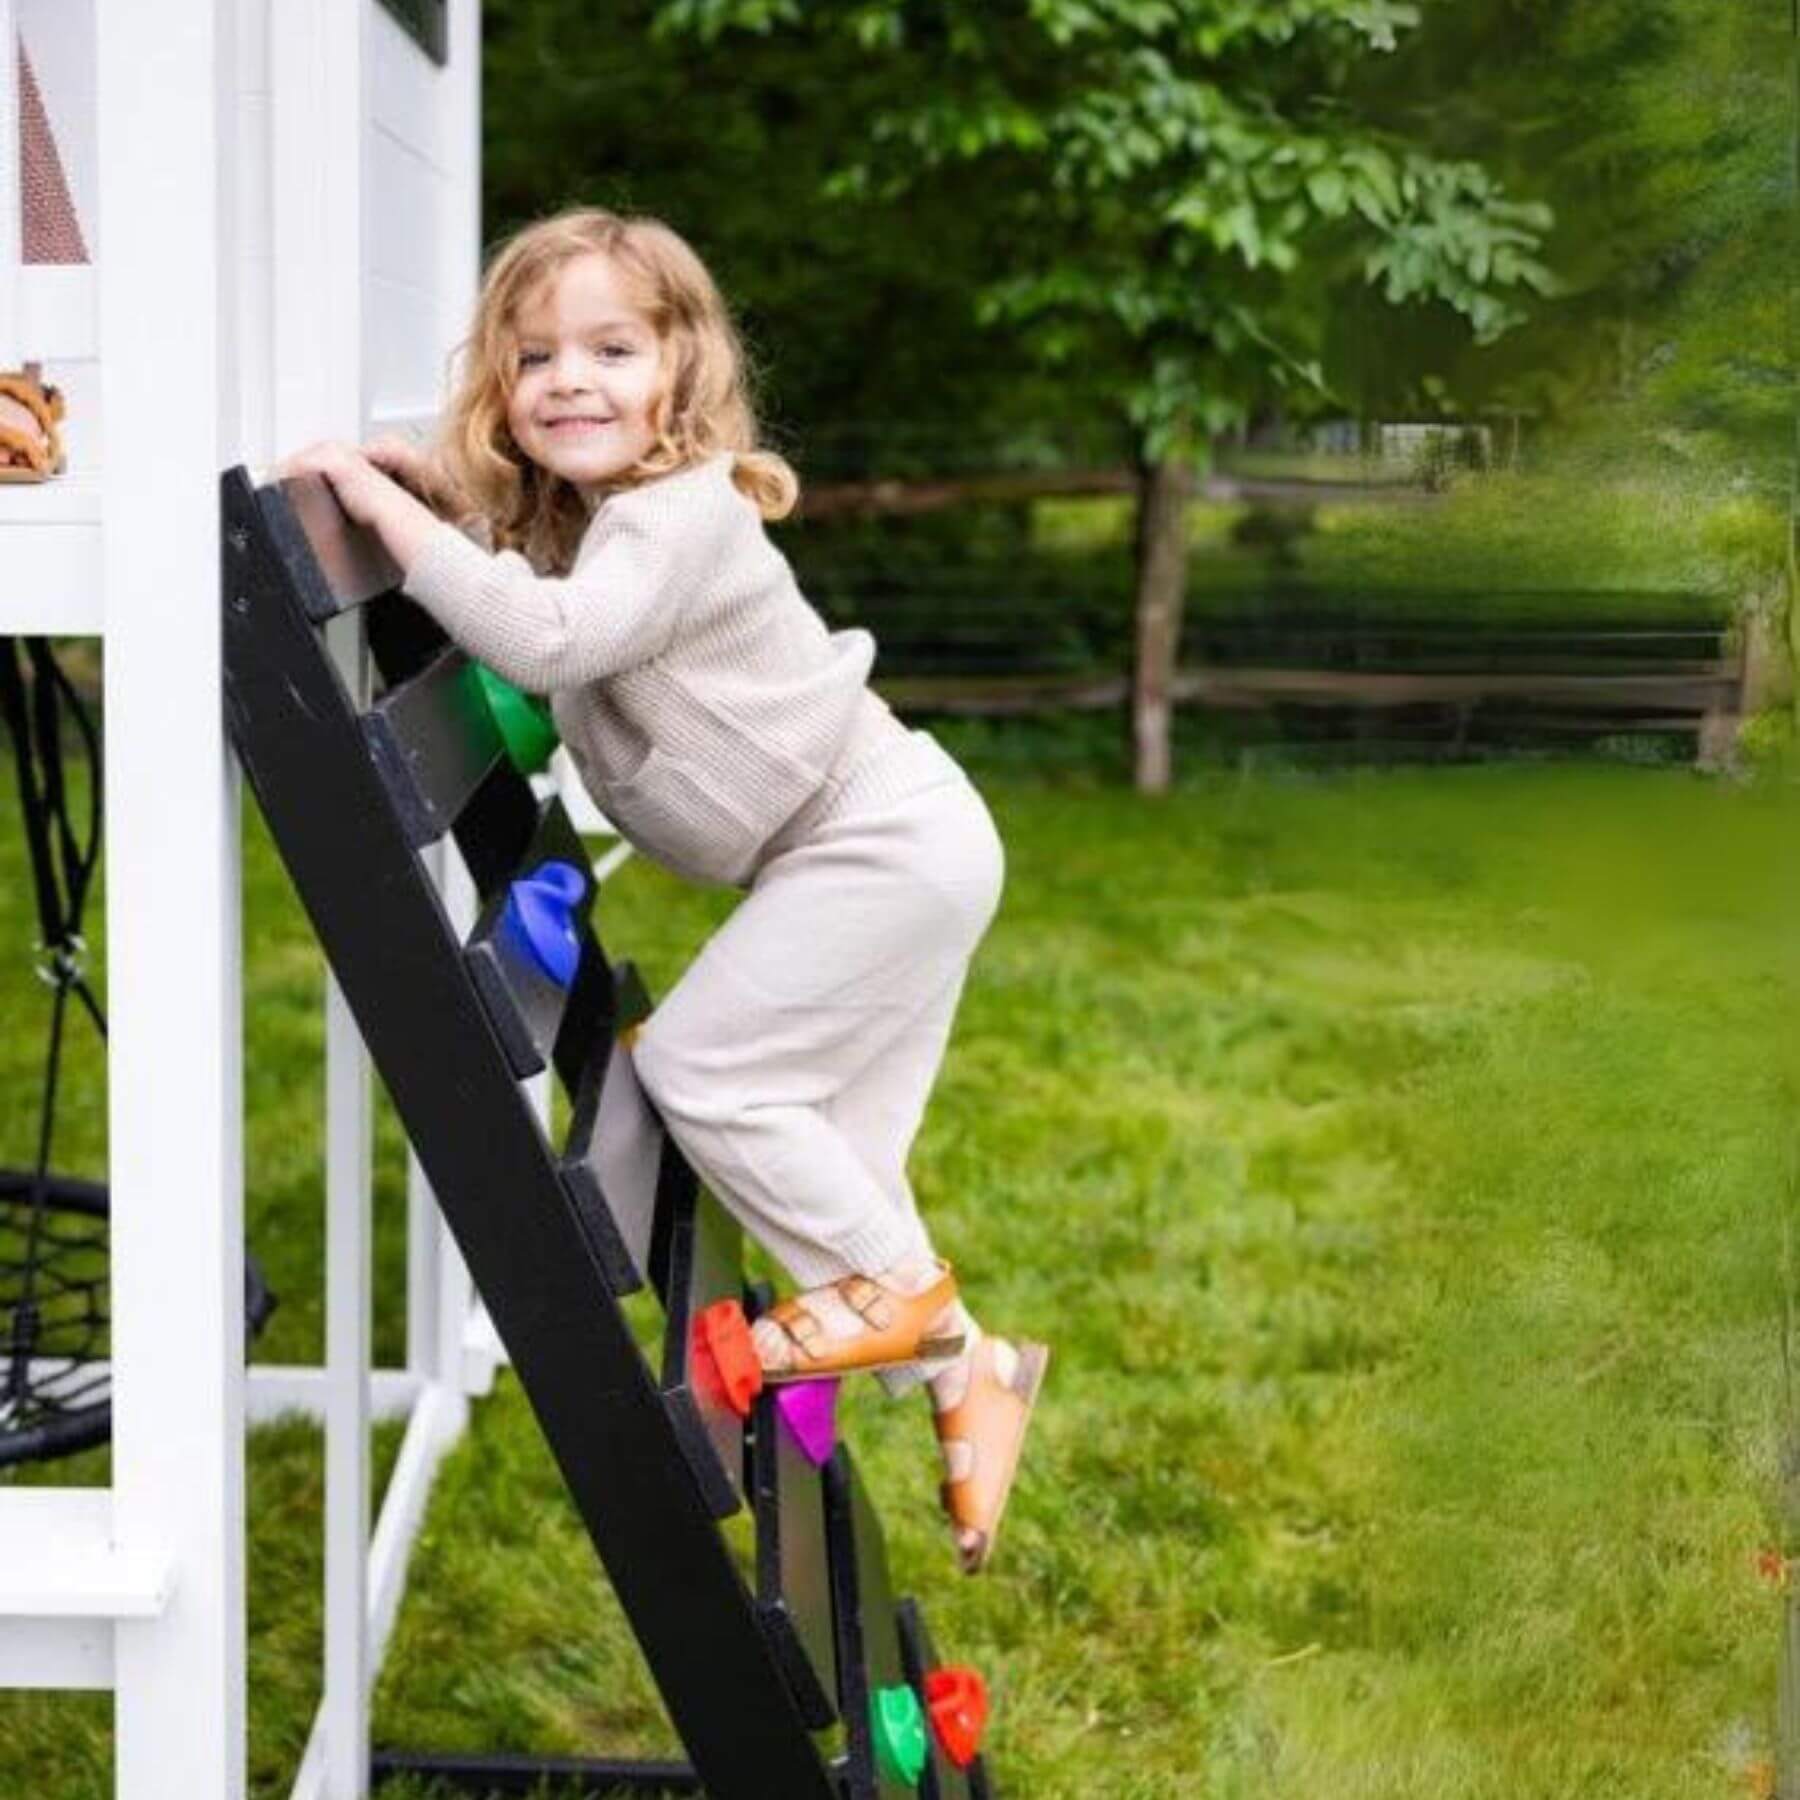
(900, 1742)
(524, 723)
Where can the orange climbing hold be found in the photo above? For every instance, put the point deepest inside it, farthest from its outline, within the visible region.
(957, 1700)
(725, 1334)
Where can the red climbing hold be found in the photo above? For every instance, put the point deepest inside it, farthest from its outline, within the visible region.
(957, 1700)
(725, 1334)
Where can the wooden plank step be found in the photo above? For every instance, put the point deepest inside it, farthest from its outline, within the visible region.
(793, 1567)
(613, 1158)
(868, 1630)
(524, 1003)
(943, 1780)
(704, 1265)
(434, 742)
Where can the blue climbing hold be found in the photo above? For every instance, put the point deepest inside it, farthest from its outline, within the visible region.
(540, 913)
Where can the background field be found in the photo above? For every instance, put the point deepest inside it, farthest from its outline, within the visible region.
(1398, 1163)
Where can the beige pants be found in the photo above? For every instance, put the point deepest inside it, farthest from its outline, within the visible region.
(793, 1059)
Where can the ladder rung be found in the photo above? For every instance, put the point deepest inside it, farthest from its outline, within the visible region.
(493, 831)
(868, 1633)
(793, 1565)
(523, 1002)
(333, 564)
(434, 742)
(611, 1165)
(704, 1264)
(943, 1780)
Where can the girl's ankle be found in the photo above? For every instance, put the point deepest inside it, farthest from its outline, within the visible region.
(911, 1275)
(949, 1382)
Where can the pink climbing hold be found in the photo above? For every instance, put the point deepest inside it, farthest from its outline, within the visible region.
(809, 1409)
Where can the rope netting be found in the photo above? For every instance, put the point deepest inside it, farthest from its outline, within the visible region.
(56, 1381)
(55, 1336)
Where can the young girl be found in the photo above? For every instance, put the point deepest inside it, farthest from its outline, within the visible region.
(601, 441)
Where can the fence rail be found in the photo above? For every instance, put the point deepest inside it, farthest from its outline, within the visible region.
(1465, 683)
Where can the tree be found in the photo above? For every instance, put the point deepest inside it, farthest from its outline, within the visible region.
(856, 328)
(1166, 189)
(1661, 131)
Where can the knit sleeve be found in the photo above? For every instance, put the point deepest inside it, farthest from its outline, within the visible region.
(643, 562)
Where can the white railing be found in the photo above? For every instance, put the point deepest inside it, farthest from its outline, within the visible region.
(140, 1588)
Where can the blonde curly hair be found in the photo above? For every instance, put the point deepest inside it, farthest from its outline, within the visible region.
(704, 407)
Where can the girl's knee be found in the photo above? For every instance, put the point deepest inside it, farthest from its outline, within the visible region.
(656, 1063)
(670, 1073)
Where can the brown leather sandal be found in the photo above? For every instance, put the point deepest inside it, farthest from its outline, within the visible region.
(899, 1330)
(981, 1437)
(34, 452)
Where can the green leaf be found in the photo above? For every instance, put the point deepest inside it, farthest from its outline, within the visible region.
(1329, 191)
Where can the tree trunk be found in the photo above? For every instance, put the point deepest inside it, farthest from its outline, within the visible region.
(1163, 488)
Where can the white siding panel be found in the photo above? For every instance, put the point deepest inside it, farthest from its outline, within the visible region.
(404, 361)
(407, 90)
(256, 256)
(256, 193)
(406, 202)
(256, 348)
(253, 46)
(58, 320)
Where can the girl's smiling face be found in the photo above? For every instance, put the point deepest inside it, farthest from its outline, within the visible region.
(590, 375)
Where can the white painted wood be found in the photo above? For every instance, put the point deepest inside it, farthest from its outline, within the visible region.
(58, 313)
(437, 1422)
(56, 1653)
(318, 386)
(404, 362)
(58, 1559)
(11, 214)
(483, 1354)
(424, 1225)
(173, 927)
(349, 1134)
(410, 420)
(253, 48)
(403, 199)
(584, 815)
(273, 1390)
(52, 583)
(284, 1390)
(610, 863)
(411, 98)
(459, 154)
(316, 164)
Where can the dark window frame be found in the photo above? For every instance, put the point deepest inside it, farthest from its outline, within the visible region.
(424, 22)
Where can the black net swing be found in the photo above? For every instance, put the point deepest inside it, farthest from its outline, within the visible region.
(55, 1375)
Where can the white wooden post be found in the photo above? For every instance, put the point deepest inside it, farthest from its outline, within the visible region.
(168, 325)
(317, 62)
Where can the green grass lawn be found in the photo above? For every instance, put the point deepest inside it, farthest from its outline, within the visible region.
(1399, 1165)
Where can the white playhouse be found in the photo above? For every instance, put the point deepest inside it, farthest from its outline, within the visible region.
(228, 227)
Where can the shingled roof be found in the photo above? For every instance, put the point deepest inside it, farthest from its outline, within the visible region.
(52, 232)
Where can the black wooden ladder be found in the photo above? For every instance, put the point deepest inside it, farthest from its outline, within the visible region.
(770, 1674)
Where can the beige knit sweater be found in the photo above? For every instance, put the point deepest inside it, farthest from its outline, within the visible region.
(701, 697)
